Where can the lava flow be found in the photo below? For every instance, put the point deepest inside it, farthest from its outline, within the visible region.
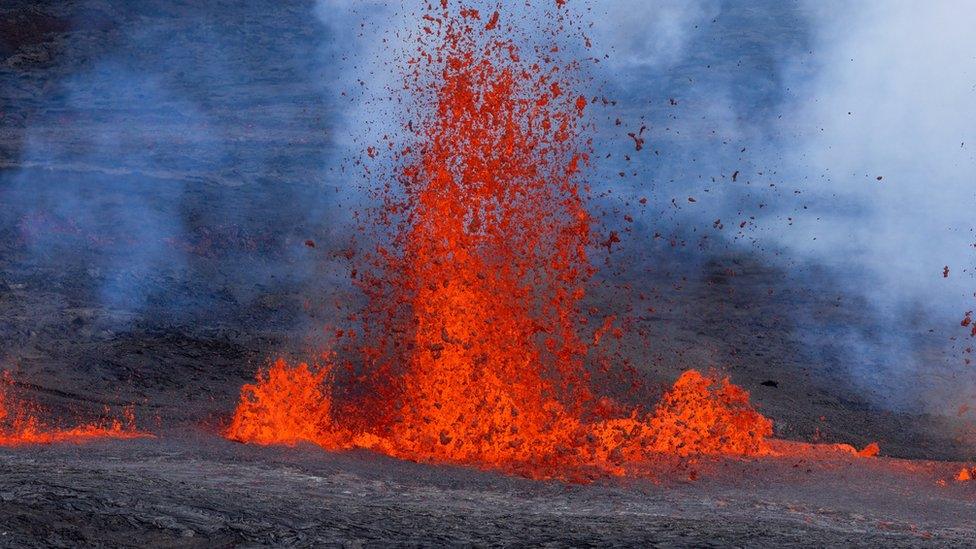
(473, 350)
(21, 423)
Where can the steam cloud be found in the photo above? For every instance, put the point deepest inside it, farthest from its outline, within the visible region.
(811, 103)
(152, 152)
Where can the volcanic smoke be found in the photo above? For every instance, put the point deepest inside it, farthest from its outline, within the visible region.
(472, 351)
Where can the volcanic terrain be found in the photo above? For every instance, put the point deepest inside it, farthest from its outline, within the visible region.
(175, 213)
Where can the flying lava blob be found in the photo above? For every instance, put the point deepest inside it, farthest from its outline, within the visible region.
(21, 423)
(472, 347)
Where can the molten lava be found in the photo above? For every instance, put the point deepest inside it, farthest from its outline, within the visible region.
(871, 450)
(699, 415)
(474, 353)
(965, 474)
(20, 423)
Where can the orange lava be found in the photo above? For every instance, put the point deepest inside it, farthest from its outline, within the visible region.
(871, 450)
(286, 405)
(474, 353)
(20, 423)
(965, 474)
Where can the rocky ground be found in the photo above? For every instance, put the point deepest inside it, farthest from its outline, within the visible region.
(161, 168)
(193, 489)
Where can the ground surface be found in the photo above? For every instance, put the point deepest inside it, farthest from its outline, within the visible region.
(197, 490)
(117, 119)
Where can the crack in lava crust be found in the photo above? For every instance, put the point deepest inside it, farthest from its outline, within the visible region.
(473, 353)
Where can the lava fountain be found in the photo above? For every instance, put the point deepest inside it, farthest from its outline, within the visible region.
(21, 422)
(473, 351)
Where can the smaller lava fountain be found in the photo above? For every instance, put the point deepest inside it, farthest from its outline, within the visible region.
(21, 423)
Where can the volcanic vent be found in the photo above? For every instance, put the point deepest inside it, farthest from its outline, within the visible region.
(472, 348)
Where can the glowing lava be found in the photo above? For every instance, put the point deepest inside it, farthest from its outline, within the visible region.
(699, 415)
(473, 351)
(20, 423)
